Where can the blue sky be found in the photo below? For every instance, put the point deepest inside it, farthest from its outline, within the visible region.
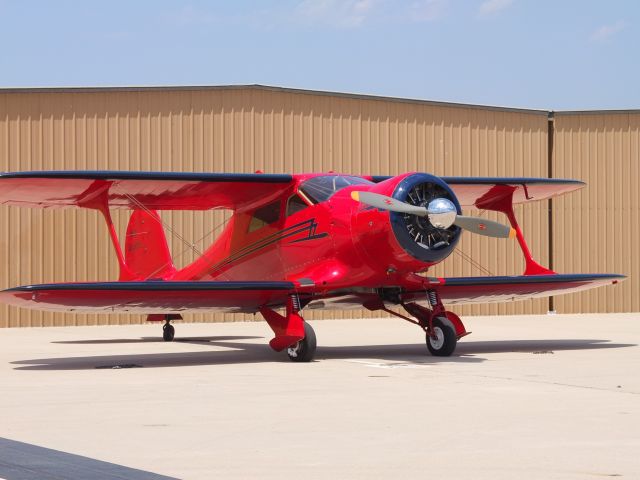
(540, 54)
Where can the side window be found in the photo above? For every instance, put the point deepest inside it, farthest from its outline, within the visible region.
(295, 204)
(264, 216)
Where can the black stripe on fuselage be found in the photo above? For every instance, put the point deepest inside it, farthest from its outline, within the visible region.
(308, 226)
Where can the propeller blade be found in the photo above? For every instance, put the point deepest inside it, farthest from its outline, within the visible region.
(481, 226)
(387, 203)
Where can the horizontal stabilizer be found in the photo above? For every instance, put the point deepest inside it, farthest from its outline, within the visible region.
(150, 296)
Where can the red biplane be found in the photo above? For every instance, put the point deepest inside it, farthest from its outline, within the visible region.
(294, 242)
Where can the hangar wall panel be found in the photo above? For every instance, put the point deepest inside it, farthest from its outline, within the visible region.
(243, 130)
(597, 229)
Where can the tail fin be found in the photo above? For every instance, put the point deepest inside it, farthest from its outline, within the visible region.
(147, 254)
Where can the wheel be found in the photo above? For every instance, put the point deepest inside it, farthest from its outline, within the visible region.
(305, 349)
(168, 332)
(445, 339)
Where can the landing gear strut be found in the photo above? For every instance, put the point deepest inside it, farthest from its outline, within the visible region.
(443, 328)
(291, 331)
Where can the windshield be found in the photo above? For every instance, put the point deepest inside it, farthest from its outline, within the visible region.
(319, 189)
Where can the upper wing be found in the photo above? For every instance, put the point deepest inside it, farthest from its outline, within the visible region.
(482, 191)
(150, 296)
(133, 190)
(478, 192)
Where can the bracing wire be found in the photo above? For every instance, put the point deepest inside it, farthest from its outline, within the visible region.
(474, 263)
(163, 223)
(180, 254)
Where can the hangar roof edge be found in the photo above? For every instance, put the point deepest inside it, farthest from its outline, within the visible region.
(301, 91)
(626, 111)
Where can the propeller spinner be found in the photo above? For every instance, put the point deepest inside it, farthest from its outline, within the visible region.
(441, 213)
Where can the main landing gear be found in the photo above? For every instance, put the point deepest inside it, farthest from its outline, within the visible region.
(305, 349)
(442, 340)
(291, 332)
(443, 328)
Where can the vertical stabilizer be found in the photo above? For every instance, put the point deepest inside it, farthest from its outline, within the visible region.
(147, 254)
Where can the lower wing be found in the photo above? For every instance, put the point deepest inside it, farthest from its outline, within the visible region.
(150, 296)
(464, 290)
(460, 290)
(249, 297)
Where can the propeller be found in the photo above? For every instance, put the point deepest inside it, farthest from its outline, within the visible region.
(441, 212)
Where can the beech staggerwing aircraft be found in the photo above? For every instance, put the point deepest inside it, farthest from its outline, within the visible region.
(323, 241)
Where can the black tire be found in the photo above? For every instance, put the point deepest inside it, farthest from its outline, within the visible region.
(168, 332)
(445, 343)
(305, 349)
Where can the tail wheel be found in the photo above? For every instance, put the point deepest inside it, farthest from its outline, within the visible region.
(442, 341)
(168, 332)
(305, 349)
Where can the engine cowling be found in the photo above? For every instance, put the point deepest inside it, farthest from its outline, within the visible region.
(402, 243)
(420, 236)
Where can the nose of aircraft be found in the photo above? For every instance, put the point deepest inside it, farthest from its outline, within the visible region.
(441, 212)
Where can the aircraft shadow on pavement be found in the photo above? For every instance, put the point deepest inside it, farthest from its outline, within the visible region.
(107, 341)
(244, 352)
(536, 346)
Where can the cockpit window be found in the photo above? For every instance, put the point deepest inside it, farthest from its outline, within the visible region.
(264, 216)
(319, 189)
(295, 204)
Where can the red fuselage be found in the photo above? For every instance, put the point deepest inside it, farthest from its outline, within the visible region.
(336, 243)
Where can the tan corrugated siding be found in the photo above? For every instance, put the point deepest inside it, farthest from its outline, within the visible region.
(243, 130)
(597, 229)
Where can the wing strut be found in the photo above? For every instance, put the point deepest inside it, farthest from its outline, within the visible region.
(125, 273)
(96, 198)
(504, 204)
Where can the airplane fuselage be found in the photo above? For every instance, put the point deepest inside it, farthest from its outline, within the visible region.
(336, 242)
